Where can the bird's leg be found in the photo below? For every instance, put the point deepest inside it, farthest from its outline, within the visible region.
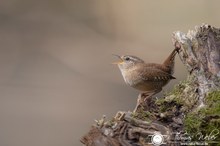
(141, 101)
(143, 98)
(149, 94)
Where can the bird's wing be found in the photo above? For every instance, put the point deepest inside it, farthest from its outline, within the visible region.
(154, 74)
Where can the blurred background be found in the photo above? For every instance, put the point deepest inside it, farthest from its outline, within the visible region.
(56, 75)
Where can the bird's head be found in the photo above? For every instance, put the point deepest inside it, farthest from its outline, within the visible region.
(127, 61)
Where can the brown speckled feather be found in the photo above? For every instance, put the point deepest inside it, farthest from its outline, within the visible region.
(158, 66)
(155, 74)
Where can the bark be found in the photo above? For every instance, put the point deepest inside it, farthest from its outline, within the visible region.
(192, 106)
(201, 55)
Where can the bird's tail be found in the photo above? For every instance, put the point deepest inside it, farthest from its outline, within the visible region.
(169, 62)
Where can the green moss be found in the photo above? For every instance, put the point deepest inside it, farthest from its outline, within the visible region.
(178, 89)
(166, 106)
(192, 123)
(206, 119)
(181, 96)
(143, 115)
(213, 98)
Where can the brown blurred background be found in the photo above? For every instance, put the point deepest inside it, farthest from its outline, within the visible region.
(55, 56)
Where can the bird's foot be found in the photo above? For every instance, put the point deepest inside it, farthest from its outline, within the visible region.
(142, 100)
(148, 95)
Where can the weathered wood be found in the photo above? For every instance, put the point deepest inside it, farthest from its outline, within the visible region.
(201, 55)
(197, 99)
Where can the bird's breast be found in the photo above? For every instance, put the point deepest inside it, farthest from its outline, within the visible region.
(130, 77)
(126, 78)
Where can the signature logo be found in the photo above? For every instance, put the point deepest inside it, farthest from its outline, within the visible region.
(208, 137)
(157, 139)
(183, 138)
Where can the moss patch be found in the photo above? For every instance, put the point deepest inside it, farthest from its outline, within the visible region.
(180, 97)
(207, 119)
(143, 115)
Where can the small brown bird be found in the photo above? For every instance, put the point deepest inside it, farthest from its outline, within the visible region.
(149, 78)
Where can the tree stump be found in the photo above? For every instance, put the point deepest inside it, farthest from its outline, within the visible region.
(190, 114)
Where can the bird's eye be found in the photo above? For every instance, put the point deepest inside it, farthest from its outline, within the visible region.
(127, 58)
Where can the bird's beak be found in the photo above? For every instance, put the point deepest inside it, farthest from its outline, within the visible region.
(120, 61)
